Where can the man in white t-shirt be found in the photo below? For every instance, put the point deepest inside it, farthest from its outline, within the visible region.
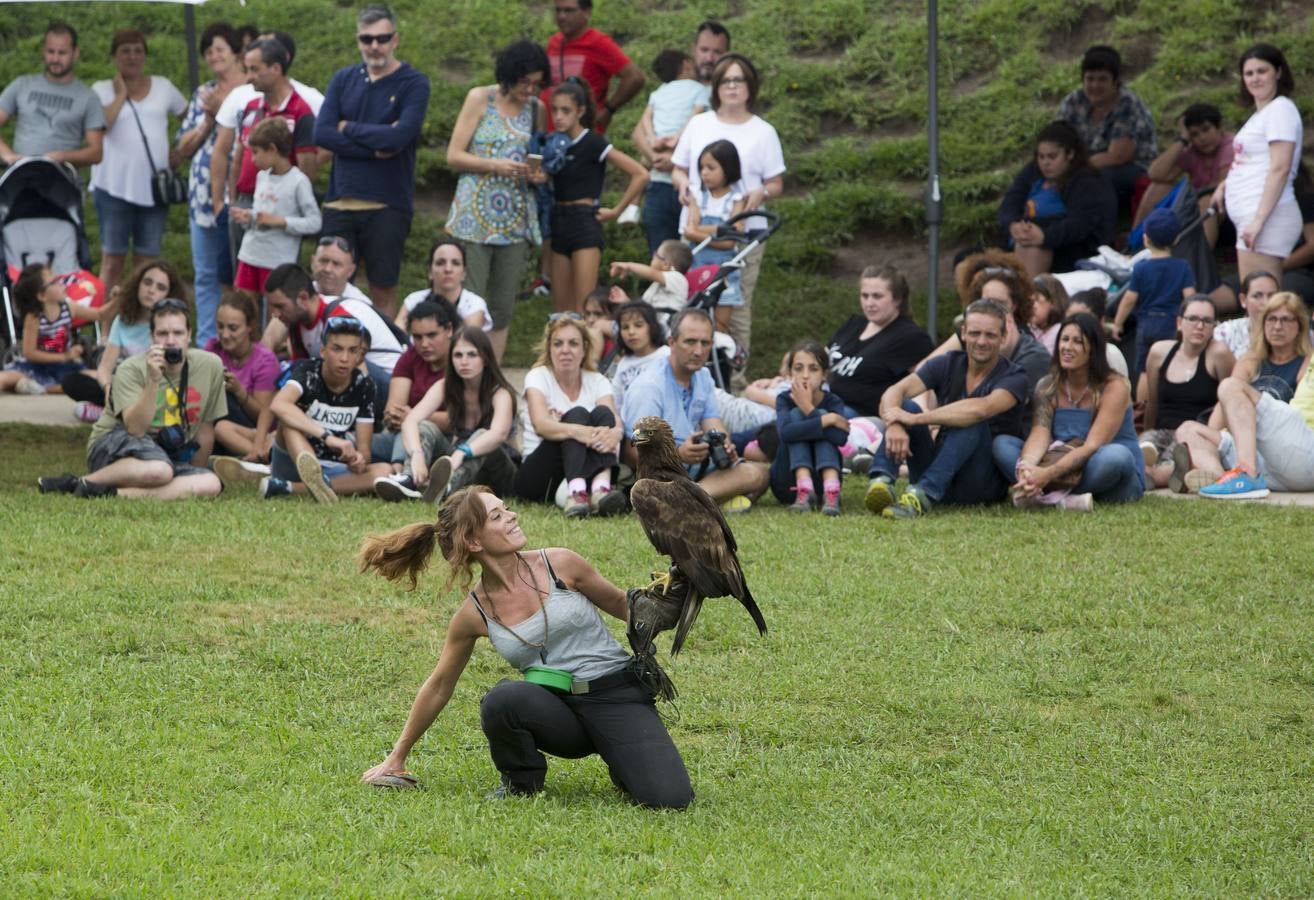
(57, 115)
(299, 315)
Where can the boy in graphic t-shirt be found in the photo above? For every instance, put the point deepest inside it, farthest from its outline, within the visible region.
(325, 415)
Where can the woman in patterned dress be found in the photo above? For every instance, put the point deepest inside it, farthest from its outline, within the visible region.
(493, 214)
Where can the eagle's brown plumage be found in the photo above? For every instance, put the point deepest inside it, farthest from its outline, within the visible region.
(686, 524)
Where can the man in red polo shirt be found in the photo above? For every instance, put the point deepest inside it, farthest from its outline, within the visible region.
(266, 70)
(580, 50)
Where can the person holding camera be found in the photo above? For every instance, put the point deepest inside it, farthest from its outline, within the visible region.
(569, 424)
(980, 394)
(680, 391)
(155, 436)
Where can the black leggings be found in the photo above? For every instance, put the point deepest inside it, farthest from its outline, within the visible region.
(551, 461)
(522, 721)
(78, 386)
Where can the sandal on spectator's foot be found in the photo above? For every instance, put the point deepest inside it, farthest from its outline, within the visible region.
(402, 781)
(1181, 455)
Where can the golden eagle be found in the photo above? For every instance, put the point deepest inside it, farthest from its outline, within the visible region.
(686, 524)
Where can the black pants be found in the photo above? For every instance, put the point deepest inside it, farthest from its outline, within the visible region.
(237, 416)
(551, 461)
(522, 721)
(78, 386)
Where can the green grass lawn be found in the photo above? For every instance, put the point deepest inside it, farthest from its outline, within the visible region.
(979, 703)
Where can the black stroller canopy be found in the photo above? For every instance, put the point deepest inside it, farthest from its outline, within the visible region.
(36, 187)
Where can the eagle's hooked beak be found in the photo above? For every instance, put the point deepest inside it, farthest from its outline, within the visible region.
(640, 436)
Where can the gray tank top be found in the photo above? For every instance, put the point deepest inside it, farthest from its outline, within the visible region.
(577, 641)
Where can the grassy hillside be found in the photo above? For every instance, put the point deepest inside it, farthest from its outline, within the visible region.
(844, 83)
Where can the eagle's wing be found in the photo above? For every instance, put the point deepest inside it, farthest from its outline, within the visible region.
(686, 524)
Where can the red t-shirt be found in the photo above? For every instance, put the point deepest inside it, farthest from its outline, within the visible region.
(300, 120)
(593, 56)
(417, 370)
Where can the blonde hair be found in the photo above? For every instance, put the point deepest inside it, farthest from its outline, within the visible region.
(542, 350)
(1287, 300)
(405, 553)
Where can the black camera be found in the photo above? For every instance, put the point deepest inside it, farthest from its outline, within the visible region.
(715, 441)
(173, 355)
(172, 439)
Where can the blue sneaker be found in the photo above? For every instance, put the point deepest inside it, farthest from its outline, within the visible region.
(1236, 484)
(271, 487)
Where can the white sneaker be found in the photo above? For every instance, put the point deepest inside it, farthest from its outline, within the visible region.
(29, 387)
(630, 216)
(395, 488)
(232, 470)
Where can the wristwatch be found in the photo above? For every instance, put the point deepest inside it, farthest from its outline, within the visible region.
(326, 435)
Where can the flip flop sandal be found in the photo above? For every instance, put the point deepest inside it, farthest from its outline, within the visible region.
(403, 781)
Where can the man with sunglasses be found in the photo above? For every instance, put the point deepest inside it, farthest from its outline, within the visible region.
(332, 266)
(325, 413)
(155, 436)
(371, 119)
(300, 314)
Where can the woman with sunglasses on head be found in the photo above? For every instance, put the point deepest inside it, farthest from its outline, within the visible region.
(494, 214)
(447, 286)
(581, 693)
(735, 93)
(570, 431)
(1180, 383)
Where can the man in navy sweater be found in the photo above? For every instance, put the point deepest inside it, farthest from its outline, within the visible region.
(371, 120)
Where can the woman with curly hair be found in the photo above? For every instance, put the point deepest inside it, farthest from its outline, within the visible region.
(494, 214)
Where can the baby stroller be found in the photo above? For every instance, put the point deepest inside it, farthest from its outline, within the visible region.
(708, 283)
(41, 220)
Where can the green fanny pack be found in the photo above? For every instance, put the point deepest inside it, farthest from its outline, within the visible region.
(552, 679)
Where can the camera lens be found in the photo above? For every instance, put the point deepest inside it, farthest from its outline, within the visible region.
(173, 355)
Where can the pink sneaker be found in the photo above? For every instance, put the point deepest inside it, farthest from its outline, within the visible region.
(87, 412)
(578, 507)
(831, 506)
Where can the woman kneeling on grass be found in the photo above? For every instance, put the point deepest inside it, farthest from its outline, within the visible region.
(540, 611)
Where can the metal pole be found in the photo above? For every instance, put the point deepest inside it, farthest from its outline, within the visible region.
(934, 212)
(189, 30)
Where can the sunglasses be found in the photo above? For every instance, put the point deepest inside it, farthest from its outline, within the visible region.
(332, 240)
(573, 316)
(379, 39)
(345, 325)
(172, 303)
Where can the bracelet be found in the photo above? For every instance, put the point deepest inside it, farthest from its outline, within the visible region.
(463, 447)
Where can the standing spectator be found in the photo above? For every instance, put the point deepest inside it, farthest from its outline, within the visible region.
(680, 97)
(1259, 192)
(1115, 125)
(267, 62)
(494, 214)
(155, 437)
(57, 115)
(578, 50)
(570, 431)
(136, 108)
(300, 314)
(282, 211)
(878, 347)
(1157, 288)
(371, 121)
(212, 260)
(735, 87)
